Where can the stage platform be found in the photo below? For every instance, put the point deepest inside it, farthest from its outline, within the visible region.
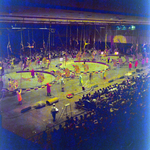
(34, 121)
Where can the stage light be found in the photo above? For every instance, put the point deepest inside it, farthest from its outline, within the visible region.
(116, 53)
(132, 27)
(102, 53)
(118, 28)
(123, 27)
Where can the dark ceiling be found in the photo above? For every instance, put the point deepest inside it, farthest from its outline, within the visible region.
(75, 11)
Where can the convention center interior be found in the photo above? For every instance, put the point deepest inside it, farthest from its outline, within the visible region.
(74, 75)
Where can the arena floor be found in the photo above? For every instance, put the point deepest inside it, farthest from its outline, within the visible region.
(34, 121)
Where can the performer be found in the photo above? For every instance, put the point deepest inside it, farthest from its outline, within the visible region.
(62, 84)
(44, 60)
(1, 69)
(1, 84)
(37, 61)
(77, 69)
(108, 59)
(120, 62)
(48, 89)
(12, 84)
(12, 63)
(49, 57)
(25, 63)
(86, 67)
(114, 62)
(32, 73)
(144, 50)
(84, 53)
(133, 57)
(127, 59)
(143, 62)
(146, 60)
(66, 58)
(78, 56)
(19, 96)
(0, 64)
(104, 74)
(20, 64)
(93, 55)
(90, 77)
(80, 80)
(54, 111)
(48, 63)
(130, 65)
(28, 63)
(136, 63)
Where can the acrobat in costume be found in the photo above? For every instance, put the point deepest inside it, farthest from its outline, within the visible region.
(130, 65)
(146, 60)
(143, 62)
(90, 76)
(1, 69)
(62, 85)
(48, 89)
(32, 73)
(12, 63)
(104, 74)
(80, 80)
(19, 97)
(136, 64)
(66, 58)
(108, 59)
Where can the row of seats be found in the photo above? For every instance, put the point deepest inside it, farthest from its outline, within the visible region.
(117, 121)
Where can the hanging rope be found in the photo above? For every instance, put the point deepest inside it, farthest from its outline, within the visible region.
(116, 43)
(43, 42)
(22, 45)
(77, 40)
(8, 46)
(53, 36)
(49, 38)
(60, 39)
(70, 36)
(94, 35)
(33, 42)
(106, 38)
(48, 42)
(29, 45)
(66, 35)
(81, 40)
(21, 62)
(89, 40)
(84, 33)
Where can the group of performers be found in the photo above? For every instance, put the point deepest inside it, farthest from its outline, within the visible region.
(44, 61)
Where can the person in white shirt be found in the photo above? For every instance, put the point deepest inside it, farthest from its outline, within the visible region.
(54, 111)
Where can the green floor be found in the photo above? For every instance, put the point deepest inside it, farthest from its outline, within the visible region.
(92, 66)
(26, 81)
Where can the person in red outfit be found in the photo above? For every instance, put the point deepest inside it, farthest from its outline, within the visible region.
(136, 63)
(48, 89)
(130, 65)
(32, 73)
(146, 60)
(19, 96)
